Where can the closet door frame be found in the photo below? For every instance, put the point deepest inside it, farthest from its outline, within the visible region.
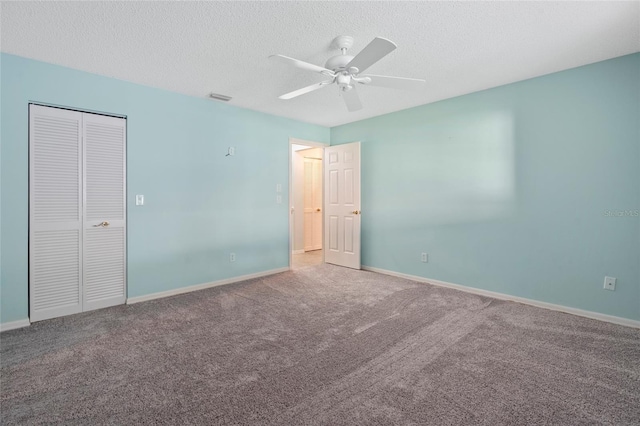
(82, 207)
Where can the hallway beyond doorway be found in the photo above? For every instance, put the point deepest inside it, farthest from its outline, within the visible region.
(309, 258)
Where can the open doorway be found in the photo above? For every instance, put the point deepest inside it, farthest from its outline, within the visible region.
(306, 196)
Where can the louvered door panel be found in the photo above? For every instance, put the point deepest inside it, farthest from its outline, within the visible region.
(104, 267)
(56, 167)
(55, 209)
(105, 172)
(55, 274)
(104, 213)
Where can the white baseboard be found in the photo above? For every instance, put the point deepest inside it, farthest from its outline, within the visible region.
(502, 296)
(298, 251)
(159, 295)
(6, 326)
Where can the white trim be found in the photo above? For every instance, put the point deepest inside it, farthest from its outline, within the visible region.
(502, 296)
(311, 144)
(161, 294)
(6, 326)
(297, 251)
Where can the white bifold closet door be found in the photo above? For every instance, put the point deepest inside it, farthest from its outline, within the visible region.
(77, 222)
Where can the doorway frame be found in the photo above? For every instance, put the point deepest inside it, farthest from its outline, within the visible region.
(310, 144)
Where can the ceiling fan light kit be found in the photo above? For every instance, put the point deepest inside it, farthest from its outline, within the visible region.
(344, 70)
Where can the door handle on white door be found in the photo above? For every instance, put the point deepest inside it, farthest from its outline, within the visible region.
(103, 224)
(356, 212)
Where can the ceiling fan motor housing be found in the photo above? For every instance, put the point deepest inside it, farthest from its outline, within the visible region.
(338, 63)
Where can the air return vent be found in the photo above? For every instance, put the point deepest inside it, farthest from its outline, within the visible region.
(219, 97)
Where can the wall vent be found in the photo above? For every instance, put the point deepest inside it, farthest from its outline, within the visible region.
(219, 97)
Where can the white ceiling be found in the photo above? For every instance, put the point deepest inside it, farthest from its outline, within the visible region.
(200, 47)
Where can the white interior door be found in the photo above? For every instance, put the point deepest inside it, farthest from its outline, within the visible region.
(342, 205)
(104, 211)
(312, 204)
(55, 212)
(77, 241)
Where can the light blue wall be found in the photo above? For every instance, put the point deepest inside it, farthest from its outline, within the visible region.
(509, 189)
(506, 189)
(199, 204)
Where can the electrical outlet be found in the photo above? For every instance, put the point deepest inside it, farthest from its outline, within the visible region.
(231, 151)
(425, 258)
(609, 283)
(279, 199)
(232, 257)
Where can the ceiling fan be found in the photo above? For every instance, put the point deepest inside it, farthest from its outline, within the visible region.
(344, 70)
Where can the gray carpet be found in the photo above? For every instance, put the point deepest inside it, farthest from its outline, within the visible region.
(322, 345)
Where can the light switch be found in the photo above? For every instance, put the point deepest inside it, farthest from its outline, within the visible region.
(139, 200)
(279, 187)
(279, 199)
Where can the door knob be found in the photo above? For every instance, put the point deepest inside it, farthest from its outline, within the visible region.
(317, 210)
(103, 224)
(356, 212)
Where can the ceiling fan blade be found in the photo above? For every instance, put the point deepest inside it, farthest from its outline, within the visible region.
(394, 82)
(304, 90)
(352, 99)
(301, 64)
(376, 50)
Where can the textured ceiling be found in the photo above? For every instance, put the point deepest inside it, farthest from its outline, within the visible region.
(200, 47)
